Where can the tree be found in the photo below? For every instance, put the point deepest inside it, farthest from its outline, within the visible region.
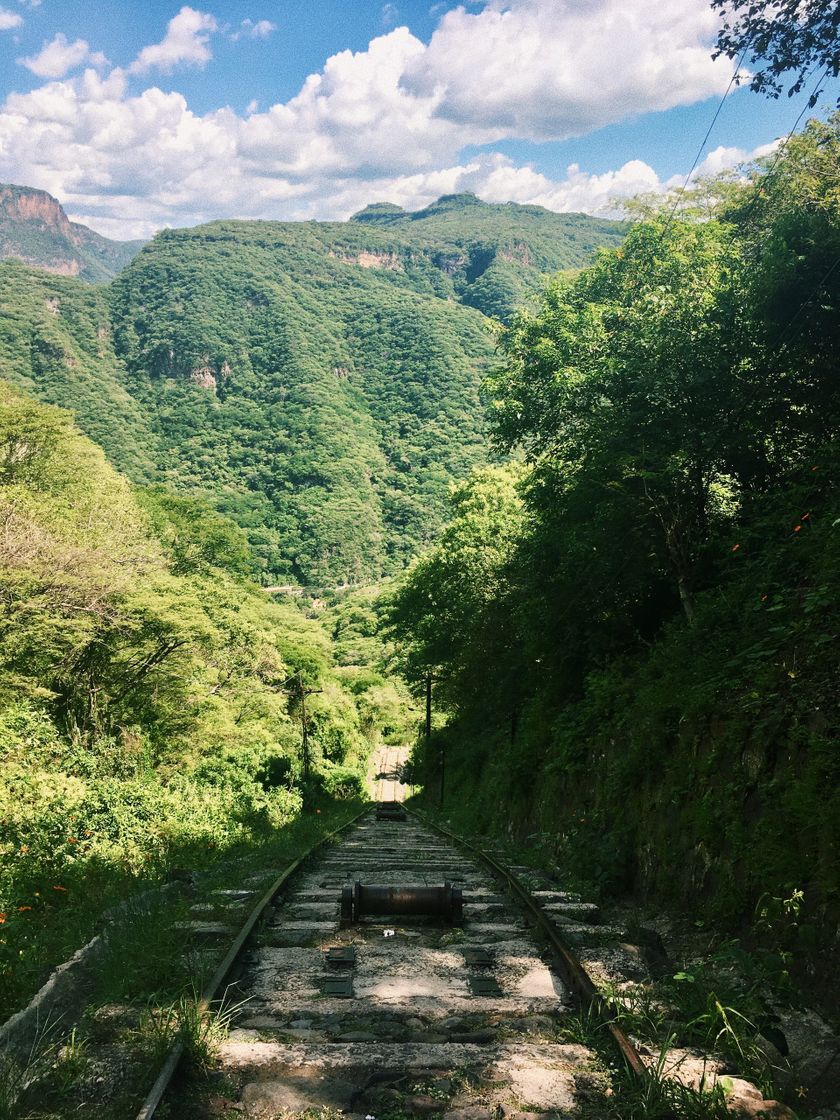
(629, 382)
(446, 611)
(794, 38)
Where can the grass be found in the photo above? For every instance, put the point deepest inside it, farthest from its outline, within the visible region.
(46, 1059)
(144, 955)
(199, 1030)
(619, 1094)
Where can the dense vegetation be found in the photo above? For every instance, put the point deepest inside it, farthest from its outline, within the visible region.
(150, 692)
(281, 402)
(318, 383)
(55, 343)
(635, 633)
(494, 255)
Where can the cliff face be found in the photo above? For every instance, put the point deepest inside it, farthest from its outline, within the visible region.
(34, 229)
(28, 205)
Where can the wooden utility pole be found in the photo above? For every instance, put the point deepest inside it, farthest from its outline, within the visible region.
(429, 735)
(428, 708)
(304, 692)
(305, 733)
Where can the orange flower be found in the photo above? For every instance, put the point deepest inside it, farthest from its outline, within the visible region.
(797, 528)
(735, 547)
(2, 919)
(59, 888)
(24, 848)
(70, 840)
(22, 908)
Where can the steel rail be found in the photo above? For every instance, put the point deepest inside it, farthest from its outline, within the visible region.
(212, 988)
(573, 971)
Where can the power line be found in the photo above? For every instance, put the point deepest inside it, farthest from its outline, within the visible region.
(809, 104)
(778, 153)
(705, 140)
(780, 150)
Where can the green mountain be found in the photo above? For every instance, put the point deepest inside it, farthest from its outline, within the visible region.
(317, 382)
(34, 229)
(495, 255)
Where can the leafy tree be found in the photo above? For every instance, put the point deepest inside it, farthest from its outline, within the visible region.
(677, 406)
(195, 536)
(794, 38)
(632, 374)
(449, 608)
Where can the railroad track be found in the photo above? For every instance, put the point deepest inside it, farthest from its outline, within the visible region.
(418, 1013)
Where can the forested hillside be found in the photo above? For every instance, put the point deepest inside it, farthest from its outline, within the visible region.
(318, 383)
(635, 633)
(56, 344)
(495, 254)
(150, 692)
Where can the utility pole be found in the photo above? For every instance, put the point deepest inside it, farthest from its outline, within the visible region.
(305, 733)
(429, 735)
(428, 708)
(304, 692)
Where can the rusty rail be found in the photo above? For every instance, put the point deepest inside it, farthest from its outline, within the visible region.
(575, 975)
(221, 974)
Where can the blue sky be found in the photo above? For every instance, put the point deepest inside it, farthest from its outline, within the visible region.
(141, 116)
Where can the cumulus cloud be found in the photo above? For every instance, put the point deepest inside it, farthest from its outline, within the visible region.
(187, 42)
(8, 19)
(551, 69)
(248, 29)
(59, 57)
(390, 121)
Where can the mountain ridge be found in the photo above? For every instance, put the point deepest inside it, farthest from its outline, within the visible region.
(318, 382)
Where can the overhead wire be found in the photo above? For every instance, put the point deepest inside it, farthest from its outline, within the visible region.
(778, 153)
(703, 144)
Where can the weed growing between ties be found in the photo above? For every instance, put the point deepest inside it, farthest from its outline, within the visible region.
(611, 1091)
(199, 1031)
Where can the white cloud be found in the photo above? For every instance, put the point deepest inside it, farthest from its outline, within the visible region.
(390, 15)
(8, 19)
(388, 122)
(59, 57)
(187, 42)
(551, 69)
(248, 29)
(725, 159)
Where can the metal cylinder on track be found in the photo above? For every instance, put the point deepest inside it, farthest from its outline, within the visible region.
(361, 901)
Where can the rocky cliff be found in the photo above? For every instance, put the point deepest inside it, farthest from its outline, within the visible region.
(34, 229)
